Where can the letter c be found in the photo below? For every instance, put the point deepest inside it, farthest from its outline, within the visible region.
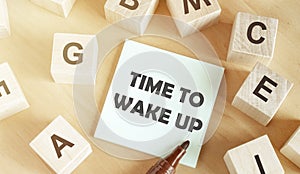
(250, 29)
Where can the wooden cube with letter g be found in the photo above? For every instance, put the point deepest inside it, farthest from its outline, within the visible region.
(261, 94)
(61, 146)
(74, 58)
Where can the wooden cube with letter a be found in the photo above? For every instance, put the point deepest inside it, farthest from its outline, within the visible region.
(4, 20)
(74, 58)
(136, 12)
(61, 146)
(261, 94)
(193, 15)
(12, 99)
(291, 149)
(252, 39)
(254, 157)
(60, 7)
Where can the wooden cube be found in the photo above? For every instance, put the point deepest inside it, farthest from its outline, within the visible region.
(4, 21)
(60, 7)
(252, 39)
(193, 15)
(291, 149)
(61, 146)
(74, 58)
(137, 13)
(261, 94)
(12, 99)
(254, 157)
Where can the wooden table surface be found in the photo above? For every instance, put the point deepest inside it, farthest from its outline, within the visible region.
(28, 51)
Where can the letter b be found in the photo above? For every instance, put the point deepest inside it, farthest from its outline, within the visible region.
(130, 6)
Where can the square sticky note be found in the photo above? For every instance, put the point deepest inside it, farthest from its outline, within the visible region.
(157, 100)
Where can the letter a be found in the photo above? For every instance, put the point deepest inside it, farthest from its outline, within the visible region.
(64, 142)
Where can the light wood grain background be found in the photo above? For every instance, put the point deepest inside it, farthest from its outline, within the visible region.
(28, 51)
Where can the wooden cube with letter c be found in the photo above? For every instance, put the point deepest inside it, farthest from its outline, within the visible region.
(61, 146)
(136, 12)
(12, 99)
(254, 157)
(74, 58)
(252, 39)
(261, 94)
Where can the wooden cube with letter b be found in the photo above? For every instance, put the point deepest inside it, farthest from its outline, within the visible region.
(137, 12)
(74, 58)
(254, 157)
(60, 7)
(291, 149)
(61, 146)
(252, 39)
(4, 21)
(261, 94)
(193, 15)
(12, 99)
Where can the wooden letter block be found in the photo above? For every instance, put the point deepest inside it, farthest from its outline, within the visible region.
(69, 64)
(61, 146)
(252, 39)
(291, 149)
(12, 99)
(193, 15)
(60, 7)
(4, 21)
(254, 157)
(261, 94)
(137, 12)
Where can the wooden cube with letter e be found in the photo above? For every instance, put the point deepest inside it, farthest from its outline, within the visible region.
(254, 157)
(60, 7)
(136, 12)
(193, 15)
(261, 94)
(291, 149)
(4, 20)
(12, 99)
(252, 39)
(74, 58)
(61, 146)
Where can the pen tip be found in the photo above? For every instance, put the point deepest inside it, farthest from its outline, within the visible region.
(185, 145)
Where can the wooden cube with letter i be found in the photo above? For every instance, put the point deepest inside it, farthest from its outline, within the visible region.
(74, 58)
(136, 12)
(261, 94)
(12, 99)
(4, 21)
(193, 15)
(252, 39)
(254, 157)
(61, 146)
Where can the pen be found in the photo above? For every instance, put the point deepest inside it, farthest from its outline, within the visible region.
(168, 164)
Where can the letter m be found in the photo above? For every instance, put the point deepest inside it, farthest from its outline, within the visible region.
(196, 5)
